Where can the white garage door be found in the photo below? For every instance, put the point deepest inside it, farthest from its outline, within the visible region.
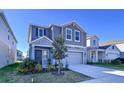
(74, 58)
(112, 56)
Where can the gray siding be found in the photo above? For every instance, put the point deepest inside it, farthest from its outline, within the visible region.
(82, 36)
(48, 32)
(56, 31)
(33, 37)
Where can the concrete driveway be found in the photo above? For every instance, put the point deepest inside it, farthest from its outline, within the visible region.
(100, 74)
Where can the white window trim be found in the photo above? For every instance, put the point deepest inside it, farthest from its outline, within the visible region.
(66, 34)
(52, 33)
(75, 36)
(41, 38)
(39, 31)
(77, 46)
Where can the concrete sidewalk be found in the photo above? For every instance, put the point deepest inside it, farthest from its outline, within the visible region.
(101, 74)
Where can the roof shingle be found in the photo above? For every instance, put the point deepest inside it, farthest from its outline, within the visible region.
(104, 47)
(111, 42)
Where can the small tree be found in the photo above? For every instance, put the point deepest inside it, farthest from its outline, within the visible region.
(59, 51)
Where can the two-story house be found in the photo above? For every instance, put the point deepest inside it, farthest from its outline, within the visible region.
(7, 42)
(40, 40)
(20, 56)
(97, 53)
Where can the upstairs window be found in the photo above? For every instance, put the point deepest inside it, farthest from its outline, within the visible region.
(77, 36)
(94, 42)
(68, 34)
(40, 32)
(113, 47)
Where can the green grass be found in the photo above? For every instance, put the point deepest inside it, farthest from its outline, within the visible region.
(9, 74)
(113, 66)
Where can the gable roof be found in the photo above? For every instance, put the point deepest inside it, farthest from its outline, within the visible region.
(111, 42)
(120, 47)
(41, 38)
(5, 21)
(107, 46)
(74, 23)
(104, 47)
(88, 37)
(35, 25)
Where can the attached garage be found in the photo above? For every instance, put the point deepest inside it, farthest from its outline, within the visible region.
(110, 52)
(113, 55)
(74, 58)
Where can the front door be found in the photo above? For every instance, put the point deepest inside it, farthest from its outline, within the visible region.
(93, 56)
(38, 56)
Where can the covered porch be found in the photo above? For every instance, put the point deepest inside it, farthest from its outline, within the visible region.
(96, 55)
(40, 50)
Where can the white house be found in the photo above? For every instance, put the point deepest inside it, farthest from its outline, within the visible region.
(7, 42)
(97, 53)
(118, 43)
(20, 56)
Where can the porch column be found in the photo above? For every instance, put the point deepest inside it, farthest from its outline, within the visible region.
(96, 55)
(89, 56)
(85, 56)
(33, 52)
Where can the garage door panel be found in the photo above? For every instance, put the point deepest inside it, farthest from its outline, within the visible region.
(74, 58)
(112, 55)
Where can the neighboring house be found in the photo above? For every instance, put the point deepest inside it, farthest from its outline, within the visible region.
(20, 55)
(118, 43)
(7, 42)
(96, 53)
(40, 40)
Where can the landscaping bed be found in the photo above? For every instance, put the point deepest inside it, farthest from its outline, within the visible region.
(9, 74)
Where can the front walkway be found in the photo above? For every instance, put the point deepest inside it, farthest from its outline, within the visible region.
(100, 74)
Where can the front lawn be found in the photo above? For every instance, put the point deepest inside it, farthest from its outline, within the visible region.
(113, 66)
(9, 74)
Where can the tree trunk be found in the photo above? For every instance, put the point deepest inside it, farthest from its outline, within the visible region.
(59, 68)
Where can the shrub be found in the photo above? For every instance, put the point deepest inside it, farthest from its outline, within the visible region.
(116, 62)
(38, 67)
(22, 70)
(27, 66)
(49, 68)
(121, 59)
(107, 61)
(49, 61)
(90, 62)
